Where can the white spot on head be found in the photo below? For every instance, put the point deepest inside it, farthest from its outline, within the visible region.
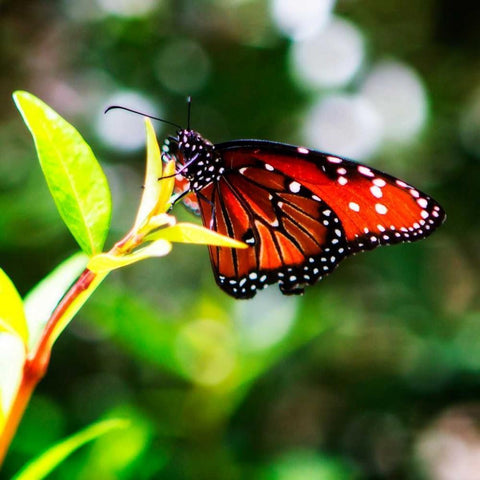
(303, 150)
(381, 209)
(376, 191)
(294, 187)
(342, 180)
(354, 206)
(365, 171)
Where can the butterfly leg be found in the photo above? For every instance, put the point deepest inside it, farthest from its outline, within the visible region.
(212, 204)
(178, 198)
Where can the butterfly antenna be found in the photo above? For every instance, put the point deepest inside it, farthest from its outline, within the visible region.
(113, 107)
(189, 108)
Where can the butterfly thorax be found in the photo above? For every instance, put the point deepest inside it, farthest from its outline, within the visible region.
(197, 158)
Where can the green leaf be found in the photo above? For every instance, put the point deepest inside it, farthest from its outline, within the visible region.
(152, 186)
(106, 262)
(43, 298)
(45, 463)
(74, 177)
(12, 316)
(192, 233)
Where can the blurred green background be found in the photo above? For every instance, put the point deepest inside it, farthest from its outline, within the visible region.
(375, 372)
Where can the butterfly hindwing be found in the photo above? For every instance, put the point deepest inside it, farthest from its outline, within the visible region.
(294, 237)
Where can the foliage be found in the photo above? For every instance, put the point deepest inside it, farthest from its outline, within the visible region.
(371, 375)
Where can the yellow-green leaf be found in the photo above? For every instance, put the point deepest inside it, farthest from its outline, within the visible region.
(74, 177)
(43, 298)
(12, 315)
(12, 360)
(45, 463)
(152, 186)
(106, 262)
(191, 233)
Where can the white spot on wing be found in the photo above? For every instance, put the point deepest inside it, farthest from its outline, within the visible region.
(365, 171)
(376, 191)
(422, 202)
(342, 180)
(334, 159)
(381, 209)
(379, 182)
(294, 187)
(354, 206)
(303, 150)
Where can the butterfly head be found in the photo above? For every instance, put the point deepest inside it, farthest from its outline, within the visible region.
(196, 157)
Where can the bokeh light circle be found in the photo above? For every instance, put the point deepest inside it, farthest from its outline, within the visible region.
(121, 130)
(397, 93)
(183, 66)
(344, 125)
(331, 57)
(205, 349)
(127, 8)
(300, 18)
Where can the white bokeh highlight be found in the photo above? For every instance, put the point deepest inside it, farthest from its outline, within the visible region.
(121, 130)
(344, 125)
(299, 19)
(265, 320)
(127, 8)
(397, 93)
(330, 58)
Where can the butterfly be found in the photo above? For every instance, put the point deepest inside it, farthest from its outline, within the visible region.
(300, 211)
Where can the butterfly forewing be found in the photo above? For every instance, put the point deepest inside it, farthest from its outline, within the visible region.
(374, 208)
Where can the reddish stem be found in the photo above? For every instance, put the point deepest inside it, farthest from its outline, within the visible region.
(37, 361)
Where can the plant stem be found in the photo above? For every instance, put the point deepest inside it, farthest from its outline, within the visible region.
(36, 363)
